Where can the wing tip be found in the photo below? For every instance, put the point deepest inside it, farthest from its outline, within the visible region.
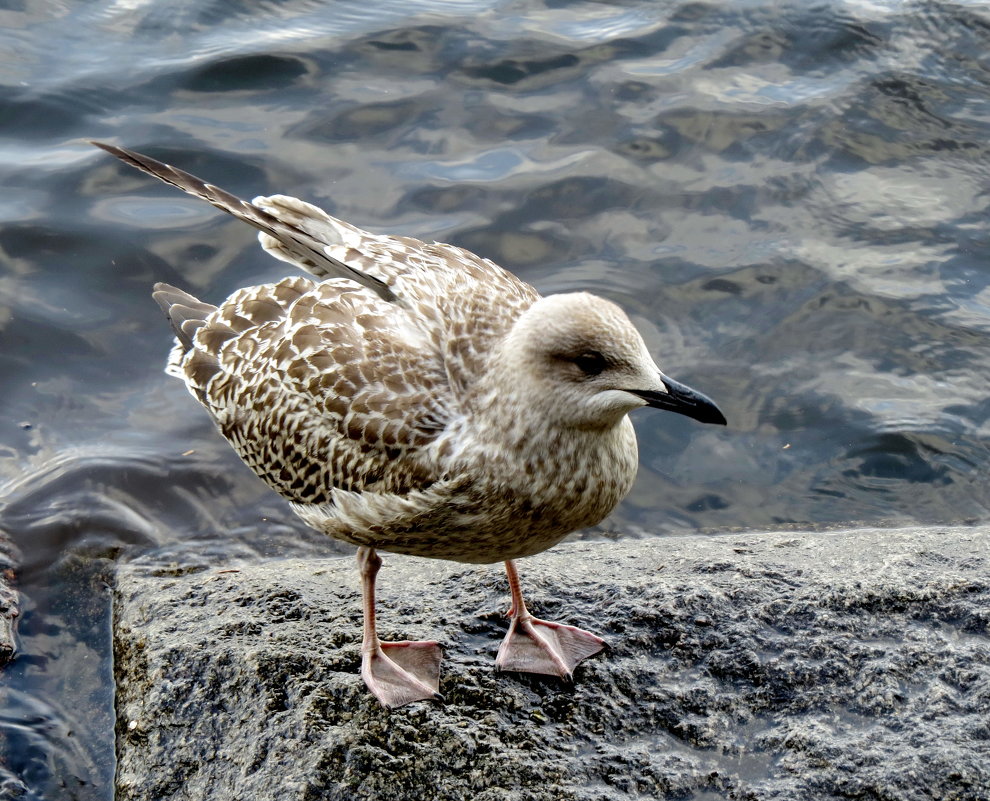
(247, 212)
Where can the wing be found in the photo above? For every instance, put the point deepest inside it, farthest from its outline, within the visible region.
(464, 304)
(467, 303)
(315, 385)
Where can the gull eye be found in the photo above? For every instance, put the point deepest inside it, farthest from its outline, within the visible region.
(590, 362)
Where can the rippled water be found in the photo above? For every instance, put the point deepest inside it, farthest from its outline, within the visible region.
(790, 200)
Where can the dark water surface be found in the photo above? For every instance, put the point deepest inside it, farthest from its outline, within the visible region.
(790, 200)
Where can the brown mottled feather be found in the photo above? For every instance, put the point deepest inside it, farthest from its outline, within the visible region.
(467, 302)
(415, 401)
(305, 395)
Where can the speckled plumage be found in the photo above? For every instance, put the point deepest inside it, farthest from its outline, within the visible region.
(383, 423)
(419, 399)
(422, 400)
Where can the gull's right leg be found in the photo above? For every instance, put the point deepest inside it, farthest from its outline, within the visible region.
(396, 672)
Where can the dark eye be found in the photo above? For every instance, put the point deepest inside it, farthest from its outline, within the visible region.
(590, 362)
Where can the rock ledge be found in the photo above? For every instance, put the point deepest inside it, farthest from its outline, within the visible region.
(746, 666)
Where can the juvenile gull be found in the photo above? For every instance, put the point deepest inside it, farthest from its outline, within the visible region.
(421, 400)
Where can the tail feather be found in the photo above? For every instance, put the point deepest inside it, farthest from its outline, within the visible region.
(306, 251)
(185, 313)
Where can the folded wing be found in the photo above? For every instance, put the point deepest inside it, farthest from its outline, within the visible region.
(315, 385)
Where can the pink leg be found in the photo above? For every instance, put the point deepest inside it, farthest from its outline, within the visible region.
(539, 646)
(396, 672)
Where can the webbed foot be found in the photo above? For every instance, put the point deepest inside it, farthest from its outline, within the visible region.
(539, 646)
(399, 673)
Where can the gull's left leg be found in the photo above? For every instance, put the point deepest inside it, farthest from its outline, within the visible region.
(539, 646)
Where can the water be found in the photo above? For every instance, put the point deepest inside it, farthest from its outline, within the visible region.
(791, 200)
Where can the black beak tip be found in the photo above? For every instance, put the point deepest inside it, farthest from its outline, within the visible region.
(714, 416)
(684, 400)
(703, 410)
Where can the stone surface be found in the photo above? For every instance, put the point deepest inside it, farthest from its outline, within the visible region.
(10, 601)
(745, 666)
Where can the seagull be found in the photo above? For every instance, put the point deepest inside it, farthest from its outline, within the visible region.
(418, 399)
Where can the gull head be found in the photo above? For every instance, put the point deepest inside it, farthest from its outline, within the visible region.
(579, 359)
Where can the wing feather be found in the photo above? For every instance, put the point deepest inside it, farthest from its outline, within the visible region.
(327, 393)
(306, 251)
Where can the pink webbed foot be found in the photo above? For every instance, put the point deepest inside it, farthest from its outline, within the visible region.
(399, 673)
(539, 646)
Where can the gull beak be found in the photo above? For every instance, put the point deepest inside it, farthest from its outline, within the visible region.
(683, 400)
